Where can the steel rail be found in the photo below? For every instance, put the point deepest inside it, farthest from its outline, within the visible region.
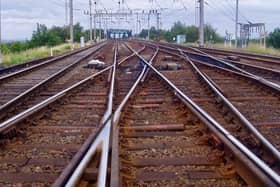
(102, 142)
(17, 73)
(208, 64)
(253, 76)
(46, 81)
(117, 114)
(255, 68)
(14, 120)
(89, 147)
(238, 114)
(140, 77)
(147, 69)
(219, 130)
(14, 68)
(245, 55)
(257, 78)
(252, 66)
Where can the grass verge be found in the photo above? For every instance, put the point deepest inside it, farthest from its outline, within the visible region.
(252, 48)
(17, 58)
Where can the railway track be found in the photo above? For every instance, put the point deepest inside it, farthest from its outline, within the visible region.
(19, 83)
(267, 67)
(269, 70)
(257, 104)
(47, 142)
(156, 118)
(74, 75)
(163, 144)
(36, 156)
(127, 75)
(146, 129)
(121, 81)
(272, 158)
(269, 62)
(269, 74)
(12, 69)
(39, 156)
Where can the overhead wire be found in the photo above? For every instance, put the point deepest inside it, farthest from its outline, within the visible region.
(229, 3)
(213, 5)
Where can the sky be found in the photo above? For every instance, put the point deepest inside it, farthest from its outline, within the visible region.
(19, 17)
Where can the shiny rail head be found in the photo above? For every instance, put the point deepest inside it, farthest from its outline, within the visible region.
(214, 124)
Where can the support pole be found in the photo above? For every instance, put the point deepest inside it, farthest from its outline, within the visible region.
(157, 20)
(94, 17)
(66, 12)
(100, 20)
(264, 38)
(201, 27)
(137, 22)
(71, 25)
(0, 31)
(236, 23)
(158, 24)
(90, 22)
(149, 27)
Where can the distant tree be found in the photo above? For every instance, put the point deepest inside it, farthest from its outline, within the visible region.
(53, 39)
(154, 33)
(211, 34)
(143, 33)
(179, 28)
(78, 32)
(43, 36)
(274, 38)
(60, 32)
(192, 34)
(39, 36)
(5, 48)
(17, 46)
(168, 36)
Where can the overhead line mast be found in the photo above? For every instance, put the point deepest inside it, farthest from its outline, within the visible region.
(0, 32)
(90, 24)
(236, 24)
(71, 24)
(201, 25)
(66, 12)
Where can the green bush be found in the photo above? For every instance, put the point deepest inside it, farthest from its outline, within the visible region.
(5, 48)
(44, 36)
(274, 38)
(179, 28)
(67, 47)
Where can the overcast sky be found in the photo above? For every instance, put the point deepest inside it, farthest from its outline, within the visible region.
(19, 17)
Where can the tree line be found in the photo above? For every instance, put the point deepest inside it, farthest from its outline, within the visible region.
(44, 36)
(274, 38)
(56, 35)
(192, 34)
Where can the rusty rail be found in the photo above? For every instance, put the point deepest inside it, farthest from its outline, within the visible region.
(267, 175)
(37, 66)
(46, 81)
(91, 142)
(115, 137)
(235, 111)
